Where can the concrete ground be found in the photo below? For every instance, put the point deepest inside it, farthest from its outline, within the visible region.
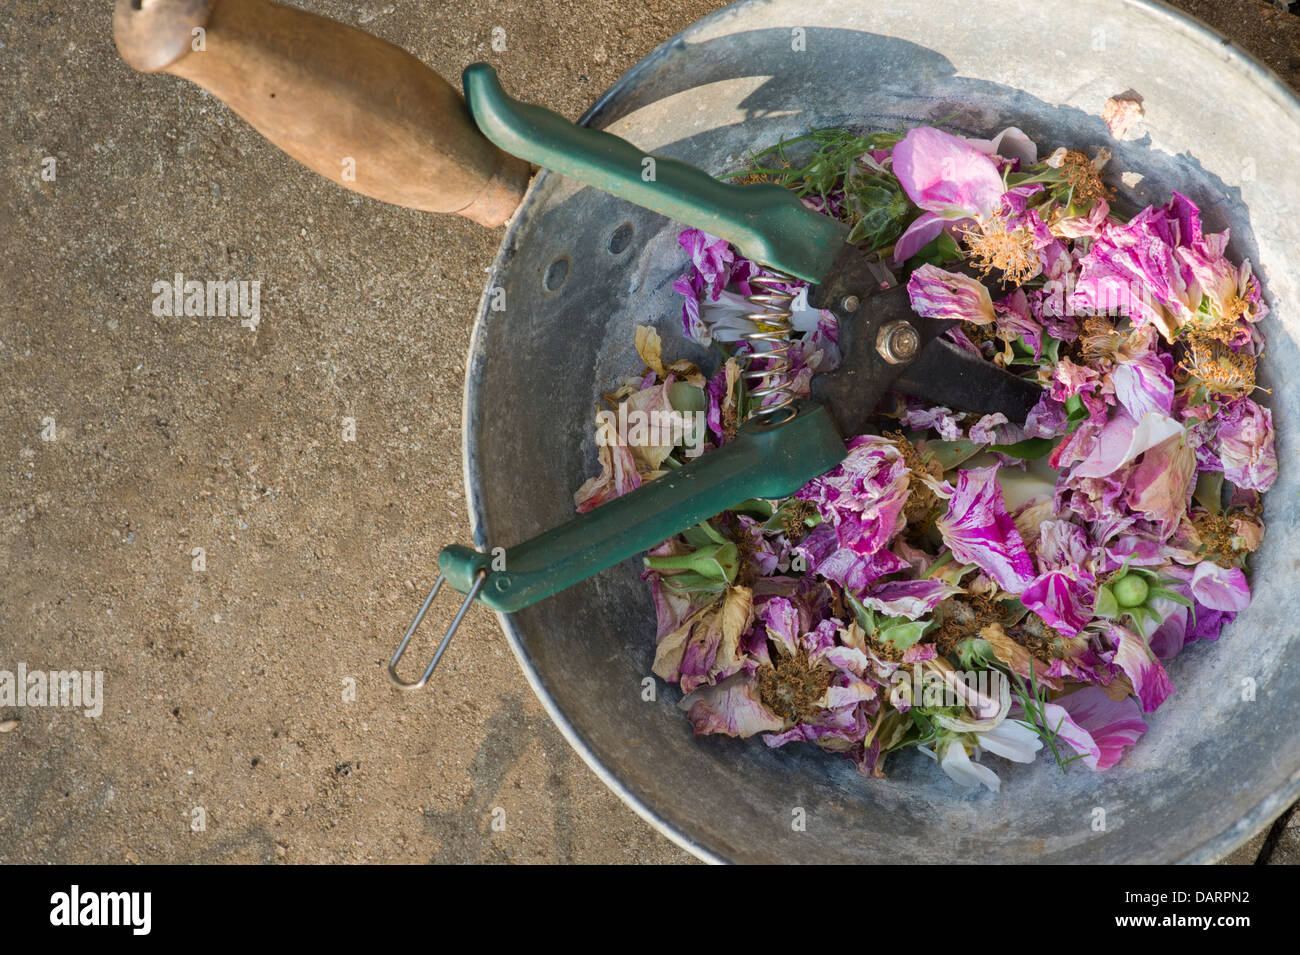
(247, 715)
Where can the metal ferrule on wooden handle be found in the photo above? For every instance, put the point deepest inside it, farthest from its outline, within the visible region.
(356, 109)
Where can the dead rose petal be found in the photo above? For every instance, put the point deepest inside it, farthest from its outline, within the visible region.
(978, 530)
(1245, 444)
(1220, 588)
(1098, 727)
(1121, 112)
(1123, 439)
(732, 708)
(1161, 484)
(908, 598)
(618, 473)
(937, 293)
(1151, 684)
(946, 175)
(1061, 599)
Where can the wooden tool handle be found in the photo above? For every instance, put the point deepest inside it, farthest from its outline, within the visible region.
(354, 108)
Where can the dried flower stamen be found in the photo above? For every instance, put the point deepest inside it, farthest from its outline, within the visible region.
(1218, 367)
(1011, 251)
(792, 686)
(1220, 541)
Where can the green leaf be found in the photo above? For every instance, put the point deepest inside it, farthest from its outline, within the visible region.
(893, 730)
(939, 251)
(756, 506)
(1141, 616)
(1051, 350)
(949, 454)
(974, 653)
(690, 582)
(905, 634)
(881, 211)
(684, 396)
(712, 561)
(1023, 354)
(776, 520)
(703, 534)
(1030, 449)
(1209, 491)
(943, 561)
(897, 631)
(865, 617)
(1034, 702)
(948, 247)
(1013, 611)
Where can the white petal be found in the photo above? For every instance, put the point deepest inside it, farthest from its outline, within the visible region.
(727, 317)
(804, 317)
(959, 767)
(1012, 740)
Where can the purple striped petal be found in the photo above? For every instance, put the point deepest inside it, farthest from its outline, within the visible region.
(1220, 588)
(908, 598)
(853, 571)
(1150, 682)
(1061, 600)
(978, 530)
(1096, 726)
(1244, 444)
(936, 293)
(1143, 384)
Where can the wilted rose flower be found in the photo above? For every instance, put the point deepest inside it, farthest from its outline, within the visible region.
(1133, 267)
(1243, 443)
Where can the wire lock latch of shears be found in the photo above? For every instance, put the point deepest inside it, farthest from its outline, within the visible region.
(446, 639)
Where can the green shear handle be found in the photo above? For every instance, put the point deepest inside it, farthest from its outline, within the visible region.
(765, 461)
(767, 222)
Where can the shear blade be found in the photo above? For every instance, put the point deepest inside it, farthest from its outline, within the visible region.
(940, 373)
(946, 374)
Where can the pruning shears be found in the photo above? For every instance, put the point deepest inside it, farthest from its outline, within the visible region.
(884, 345)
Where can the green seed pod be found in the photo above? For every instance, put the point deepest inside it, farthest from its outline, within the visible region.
(1130, 590)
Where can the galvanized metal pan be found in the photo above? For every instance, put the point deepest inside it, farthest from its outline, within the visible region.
(581, 269)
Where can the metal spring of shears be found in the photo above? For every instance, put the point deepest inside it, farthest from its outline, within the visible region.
(770, 388)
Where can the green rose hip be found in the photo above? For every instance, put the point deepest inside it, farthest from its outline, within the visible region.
(1130, 591)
